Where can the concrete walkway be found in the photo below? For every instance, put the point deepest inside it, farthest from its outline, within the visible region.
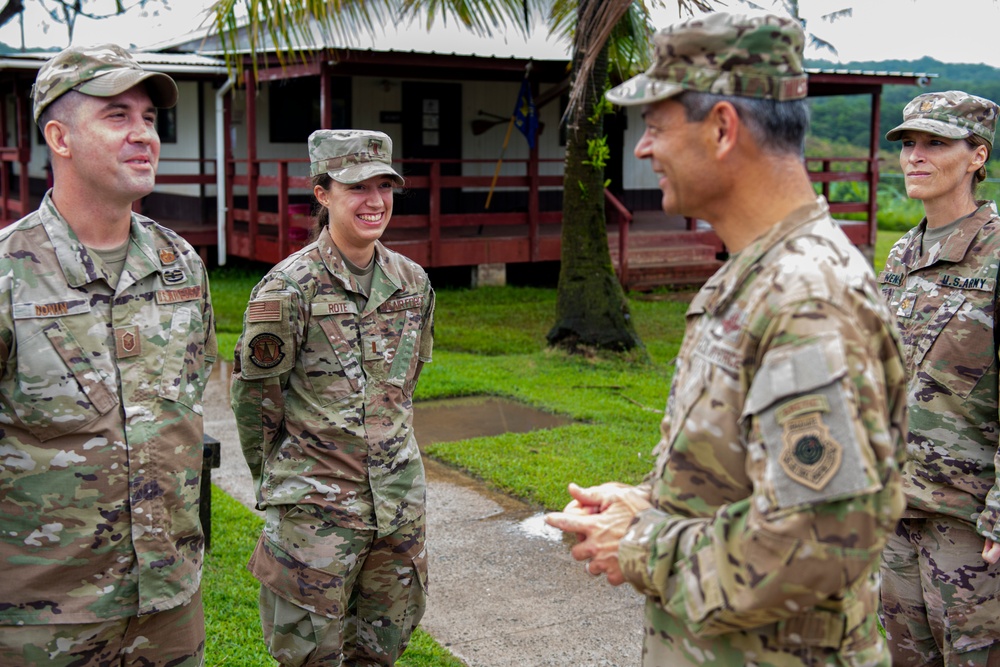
(504, 591)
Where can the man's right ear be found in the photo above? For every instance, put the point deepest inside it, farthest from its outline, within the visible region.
(57, 137)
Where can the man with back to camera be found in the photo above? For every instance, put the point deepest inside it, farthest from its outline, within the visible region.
(106, 343)
(757, 536)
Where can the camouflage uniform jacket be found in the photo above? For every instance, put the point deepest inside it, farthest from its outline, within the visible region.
(100, 423)
(944, 299)
(322, 387)
(777, 476)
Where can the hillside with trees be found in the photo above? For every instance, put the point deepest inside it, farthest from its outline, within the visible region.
(843, 120)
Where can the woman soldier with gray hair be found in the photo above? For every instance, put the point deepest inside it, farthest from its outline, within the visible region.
(333, 341)
(940, 576)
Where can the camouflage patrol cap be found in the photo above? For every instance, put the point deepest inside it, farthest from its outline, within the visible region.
(351, 156)
(952, 114)
(102, 71)
(725, 54)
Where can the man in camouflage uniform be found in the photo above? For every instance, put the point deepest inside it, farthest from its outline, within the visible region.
(756, 536)
(106, 342)
(940, 599)
(333, 342)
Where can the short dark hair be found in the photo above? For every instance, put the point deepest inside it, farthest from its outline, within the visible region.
(779, 127)
(63, 108)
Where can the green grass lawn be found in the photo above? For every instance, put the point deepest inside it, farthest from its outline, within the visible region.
(487, 341)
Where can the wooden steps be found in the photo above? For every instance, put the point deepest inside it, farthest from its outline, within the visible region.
(665, 258)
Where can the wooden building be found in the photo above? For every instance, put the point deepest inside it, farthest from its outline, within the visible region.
(446, 105)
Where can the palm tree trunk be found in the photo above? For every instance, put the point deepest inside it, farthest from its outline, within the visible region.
(591, 308)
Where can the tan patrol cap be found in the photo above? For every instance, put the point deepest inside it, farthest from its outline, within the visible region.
(952, 114)
(724, 54)
(102, 71)
(351, 156)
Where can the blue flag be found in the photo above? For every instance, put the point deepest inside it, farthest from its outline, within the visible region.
(525, 114)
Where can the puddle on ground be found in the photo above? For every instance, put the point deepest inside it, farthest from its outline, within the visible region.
(447, 420)
(452, 419)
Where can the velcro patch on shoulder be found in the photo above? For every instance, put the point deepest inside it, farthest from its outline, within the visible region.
(265, 310)
(268, 346)
(800, 402)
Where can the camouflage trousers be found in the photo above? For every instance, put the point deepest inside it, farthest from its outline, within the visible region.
(940, 602)
(338, 596)
(810, 639)
(174, 638)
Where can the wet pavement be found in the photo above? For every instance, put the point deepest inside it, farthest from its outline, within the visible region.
(504, 591)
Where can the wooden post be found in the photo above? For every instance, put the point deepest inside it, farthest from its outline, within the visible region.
(325, 97)
(24, 123)
(230, 165)
(252, 169)
(873, 167)
(434, 193)
(284, 227)
(5, 215)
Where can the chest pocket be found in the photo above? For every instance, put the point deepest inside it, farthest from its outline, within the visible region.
(399, 325)
(184, 373)
(58, 390)
(956, 347)
(328, 355)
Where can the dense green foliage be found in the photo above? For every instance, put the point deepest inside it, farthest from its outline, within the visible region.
(845, 119)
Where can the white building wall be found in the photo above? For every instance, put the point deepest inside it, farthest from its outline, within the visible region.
(636, 174)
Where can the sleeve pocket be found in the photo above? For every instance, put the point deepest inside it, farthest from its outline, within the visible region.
(803, 412)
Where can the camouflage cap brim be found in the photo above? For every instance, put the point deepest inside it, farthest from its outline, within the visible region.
(935, 127)
(643, 89)
(356, 173)
(162, 89)
(722, 54)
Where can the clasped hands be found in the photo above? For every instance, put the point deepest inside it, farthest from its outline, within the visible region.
(600, 516)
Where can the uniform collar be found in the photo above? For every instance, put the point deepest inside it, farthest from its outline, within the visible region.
(81, 268)
(721, 288)
(955, 247)
(385, 272)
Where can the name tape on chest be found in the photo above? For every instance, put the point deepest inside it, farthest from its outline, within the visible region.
(718, 353)
(402, 303)
(895, 279)
(25, 311)
(960, 282)
(166, 296)
(321, 308)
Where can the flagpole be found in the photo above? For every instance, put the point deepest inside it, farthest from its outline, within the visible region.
(496, 172)
(506, 139)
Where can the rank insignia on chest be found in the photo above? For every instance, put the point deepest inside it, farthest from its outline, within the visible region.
(173, 276)
(127, 342)
(167, 256)
(906, 303)
(265, 350)
(809, 455)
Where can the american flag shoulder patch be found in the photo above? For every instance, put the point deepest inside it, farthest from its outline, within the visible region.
(267, 310)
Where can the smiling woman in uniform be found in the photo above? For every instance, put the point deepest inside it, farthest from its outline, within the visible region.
(333, 342)
(940, 577)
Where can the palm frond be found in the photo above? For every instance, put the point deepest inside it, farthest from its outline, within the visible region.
(480, 16)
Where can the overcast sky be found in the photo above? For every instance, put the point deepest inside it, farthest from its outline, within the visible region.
(948, 30)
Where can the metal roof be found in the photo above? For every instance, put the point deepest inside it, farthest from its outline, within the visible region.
(171, 63)
(410, 37)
